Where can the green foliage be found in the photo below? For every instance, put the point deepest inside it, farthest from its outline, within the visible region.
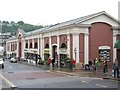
(67, 60)
(13, 27)
(29, 27)
(45, 62)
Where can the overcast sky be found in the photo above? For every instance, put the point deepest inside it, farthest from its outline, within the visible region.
(46, 12)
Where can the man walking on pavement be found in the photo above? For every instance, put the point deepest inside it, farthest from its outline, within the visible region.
(116, 68)
(53, 61)
(105, 69)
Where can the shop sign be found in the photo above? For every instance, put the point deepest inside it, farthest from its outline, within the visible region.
(46, 51)
(25, 50)
(63, 51)
(30, 51)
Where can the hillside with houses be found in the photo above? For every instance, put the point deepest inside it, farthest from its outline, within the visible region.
(12, 27)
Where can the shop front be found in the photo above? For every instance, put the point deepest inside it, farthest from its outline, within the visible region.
(31, 55)
(46, 53)
(63, 56)
(104, 53)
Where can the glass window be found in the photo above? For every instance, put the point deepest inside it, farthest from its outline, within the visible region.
(36, 45)
(104, 54)
(31, 45)
(26, 45)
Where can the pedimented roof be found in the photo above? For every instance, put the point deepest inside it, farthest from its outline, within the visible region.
(66, 23)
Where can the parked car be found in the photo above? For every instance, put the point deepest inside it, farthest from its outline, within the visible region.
(1, 63)
(13, 60)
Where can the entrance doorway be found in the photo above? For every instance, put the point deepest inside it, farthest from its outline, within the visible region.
(20, 47)
(54, 54)
(118, 54)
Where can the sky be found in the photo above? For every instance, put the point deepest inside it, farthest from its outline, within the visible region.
(47, 12)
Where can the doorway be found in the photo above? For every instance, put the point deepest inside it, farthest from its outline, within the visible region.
(118, 54)
(54, 54)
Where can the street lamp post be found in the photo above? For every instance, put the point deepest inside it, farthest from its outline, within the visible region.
(75, 52)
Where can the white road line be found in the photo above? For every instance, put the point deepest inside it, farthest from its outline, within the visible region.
(85, 82)
(101, 85)
(10, 67)
(7, 81)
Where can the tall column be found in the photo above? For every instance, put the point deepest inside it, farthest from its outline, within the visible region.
(114, 49)
(86, 48)
(33, 42)
(38, 42)
(58, 48)
(50, 47)
(16, 49)
(23, 48)
(76, 47)
(42, 47)
(68, 45)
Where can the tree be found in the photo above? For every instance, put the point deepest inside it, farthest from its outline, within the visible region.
(20, 22)
(5, 22)
(12, 22)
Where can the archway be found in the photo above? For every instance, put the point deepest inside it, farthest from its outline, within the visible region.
(46, 52)
(54, 52)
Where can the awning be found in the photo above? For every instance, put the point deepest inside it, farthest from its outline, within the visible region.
(117, 44)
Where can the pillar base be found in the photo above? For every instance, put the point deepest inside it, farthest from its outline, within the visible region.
(78, 66)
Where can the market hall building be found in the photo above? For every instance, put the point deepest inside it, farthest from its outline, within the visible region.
(83, 39)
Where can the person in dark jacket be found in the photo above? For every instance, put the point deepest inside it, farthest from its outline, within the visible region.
(105, 69)
(116, 68)
(53, 61)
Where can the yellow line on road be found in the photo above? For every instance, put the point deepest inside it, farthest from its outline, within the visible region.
(8, 82)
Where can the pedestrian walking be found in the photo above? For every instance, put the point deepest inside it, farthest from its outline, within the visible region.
(116, 68)
(53, 61)
(48, 62)
(105, 68)
(36, 59)
(73, 64)
(96, 64)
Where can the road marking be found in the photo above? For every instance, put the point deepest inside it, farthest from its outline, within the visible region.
(7, 81)
(71, 76)
(10, 67)
(85, 82)
(101, 85)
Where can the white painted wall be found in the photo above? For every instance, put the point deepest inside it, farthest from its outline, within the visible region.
(101, 18)
(76, 45)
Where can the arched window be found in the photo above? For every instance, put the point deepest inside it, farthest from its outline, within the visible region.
(47, 46)
(31, 45)
(26, 45)
(63, 45)
(35, 45)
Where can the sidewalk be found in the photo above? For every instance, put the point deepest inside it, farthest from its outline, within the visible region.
(81, 72)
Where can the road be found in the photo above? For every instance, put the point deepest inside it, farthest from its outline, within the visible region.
(27, 76)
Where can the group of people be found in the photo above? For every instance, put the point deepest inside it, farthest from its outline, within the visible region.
(93, 65)
(115, 66)
(51, 62)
